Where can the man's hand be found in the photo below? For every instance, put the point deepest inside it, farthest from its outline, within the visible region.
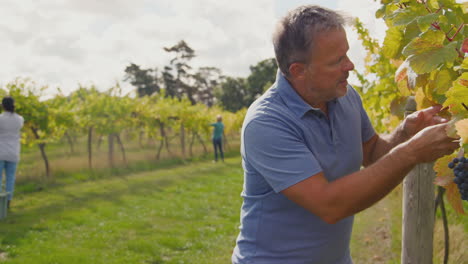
(432, 143)
(421, 119)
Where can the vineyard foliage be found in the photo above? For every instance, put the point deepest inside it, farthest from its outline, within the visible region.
(88, 112)
(423, 56)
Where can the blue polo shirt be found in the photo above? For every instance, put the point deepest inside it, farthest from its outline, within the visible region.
(285, 141)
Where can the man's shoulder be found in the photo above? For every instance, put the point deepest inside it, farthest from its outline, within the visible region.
(270, 116)
(269, 106)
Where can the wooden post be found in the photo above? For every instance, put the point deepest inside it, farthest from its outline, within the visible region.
(3, 204)
(418, 211)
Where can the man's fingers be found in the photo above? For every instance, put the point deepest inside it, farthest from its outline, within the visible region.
(454, 146)
(438, 120)
(433, 110)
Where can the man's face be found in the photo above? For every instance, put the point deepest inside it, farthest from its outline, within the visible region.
(328, 67)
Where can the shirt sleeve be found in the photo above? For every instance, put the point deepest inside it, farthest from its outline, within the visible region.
(278, 153)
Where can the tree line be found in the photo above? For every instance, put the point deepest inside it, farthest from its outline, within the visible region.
(206, 85)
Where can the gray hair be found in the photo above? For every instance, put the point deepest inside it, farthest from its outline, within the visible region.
(295, 33)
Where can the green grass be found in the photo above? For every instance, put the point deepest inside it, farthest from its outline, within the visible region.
(172, 211)
(187, 214)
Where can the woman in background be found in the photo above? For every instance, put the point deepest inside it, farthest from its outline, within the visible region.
(10, 126)
(218, 137)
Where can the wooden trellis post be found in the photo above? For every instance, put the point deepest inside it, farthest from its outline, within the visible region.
(418, 211)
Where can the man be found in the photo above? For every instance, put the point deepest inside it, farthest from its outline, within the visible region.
(304, 142)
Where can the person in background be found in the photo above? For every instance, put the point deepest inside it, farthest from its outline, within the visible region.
(10, 126)
(218, 137)
(304, 141)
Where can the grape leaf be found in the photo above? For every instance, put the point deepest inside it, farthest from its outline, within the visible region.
(462, 130)
(401, 72)
(391, 47)
(464, 65)
(458, 94)
(406, 79)
(380, 12)
(443, 181)
(441, 168)
(454, 198)
(398, 106)
(442, 81)
(403, 85)
(426, 42)
(422, 100)
(433, 4)
(402, 17)
(427, 52)
(426, 21)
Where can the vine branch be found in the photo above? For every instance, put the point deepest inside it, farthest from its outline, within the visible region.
(456, 33)
(440, 200)
(464, 105)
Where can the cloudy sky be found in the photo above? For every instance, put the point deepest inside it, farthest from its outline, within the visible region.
(62, 43)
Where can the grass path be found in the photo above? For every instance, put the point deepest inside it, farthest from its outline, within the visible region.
(187, 214)
(183, 214)
(376, 234)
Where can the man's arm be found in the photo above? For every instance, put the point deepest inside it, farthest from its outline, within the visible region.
(377, 146)
(333, 201)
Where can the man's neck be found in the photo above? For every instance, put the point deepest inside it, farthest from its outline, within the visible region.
(309, 97)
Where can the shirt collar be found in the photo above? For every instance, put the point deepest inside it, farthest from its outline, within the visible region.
(292, 98)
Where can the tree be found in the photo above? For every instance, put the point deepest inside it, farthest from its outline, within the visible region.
(179, 65)
(232, 94)
(206, 79)
(262, 76)
(145, 80)
(236, 93)
(170, 83)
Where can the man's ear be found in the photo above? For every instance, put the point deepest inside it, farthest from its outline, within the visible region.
(297, 70)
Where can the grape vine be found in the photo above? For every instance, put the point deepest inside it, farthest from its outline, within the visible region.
(423, 56)
(90, 113)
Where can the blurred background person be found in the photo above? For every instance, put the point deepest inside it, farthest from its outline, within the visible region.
(10, 127)
(218, 137)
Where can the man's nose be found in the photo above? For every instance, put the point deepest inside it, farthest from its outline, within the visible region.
(349, 65)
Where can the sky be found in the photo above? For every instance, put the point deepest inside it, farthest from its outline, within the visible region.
(65, 43)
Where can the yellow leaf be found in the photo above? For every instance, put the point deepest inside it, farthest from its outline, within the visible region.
(463, 82)
(450, 129)
(401, 78)
(401, 72)
(443, 181)
(441, 167)
(403, 88)
(454, 198)
(421, 100)
(462, 130)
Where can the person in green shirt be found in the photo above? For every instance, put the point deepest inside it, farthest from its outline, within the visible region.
(218, 137)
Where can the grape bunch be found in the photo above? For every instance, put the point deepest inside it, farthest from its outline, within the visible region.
(460, 169)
